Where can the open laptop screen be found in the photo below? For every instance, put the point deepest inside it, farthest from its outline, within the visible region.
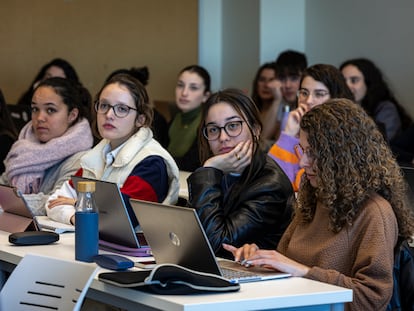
(115, 225)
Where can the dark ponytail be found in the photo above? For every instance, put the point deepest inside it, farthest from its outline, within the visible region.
(73, 94)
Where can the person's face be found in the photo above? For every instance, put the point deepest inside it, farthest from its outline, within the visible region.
(117, 130)
(221, 114)
(312, 93)
(306, 160)
(290, 87)
(355, 81)
(54, 71)
(50, 115)
(189, 91)
(266, 75)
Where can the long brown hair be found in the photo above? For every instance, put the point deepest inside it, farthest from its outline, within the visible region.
(138, 93)
(331, 77)
(244, 106)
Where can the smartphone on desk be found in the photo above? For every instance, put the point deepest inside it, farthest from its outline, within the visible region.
(147, 264)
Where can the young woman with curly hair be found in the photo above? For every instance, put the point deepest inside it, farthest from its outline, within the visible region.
(350, 210)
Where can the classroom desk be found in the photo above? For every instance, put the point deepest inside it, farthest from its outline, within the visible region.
(283, 294)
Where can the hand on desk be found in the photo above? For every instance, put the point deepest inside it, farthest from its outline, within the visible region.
(60, 200)
(251, 255)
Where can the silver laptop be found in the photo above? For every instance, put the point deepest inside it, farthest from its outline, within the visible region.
(176, 236)
(15, 215)
(115, 225)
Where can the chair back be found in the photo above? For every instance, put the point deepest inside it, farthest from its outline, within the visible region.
(20, 114)
(46, 283)
(403, 291)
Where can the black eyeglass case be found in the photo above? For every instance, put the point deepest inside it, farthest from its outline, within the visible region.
(33, 238)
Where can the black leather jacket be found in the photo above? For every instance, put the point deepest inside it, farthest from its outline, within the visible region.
(257, 209)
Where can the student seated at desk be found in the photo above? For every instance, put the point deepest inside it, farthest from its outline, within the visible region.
(159, 125)
(127, 155)
(191, 91)
(350, 209)
(373, 93)
(8, 132)
(319, 83)
(49, 146)
(240, 194)
(57, 67)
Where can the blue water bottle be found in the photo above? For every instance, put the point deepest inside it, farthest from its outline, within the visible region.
(86, 223)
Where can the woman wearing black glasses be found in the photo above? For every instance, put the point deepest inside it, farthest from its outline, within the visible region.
(240, 194)
(127, 155)
(319, 83)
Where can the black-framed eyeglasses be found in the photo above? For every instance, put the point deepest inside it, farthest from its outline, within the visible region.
(300, 152)
(232, 129)
(120, 110)
(318, 94)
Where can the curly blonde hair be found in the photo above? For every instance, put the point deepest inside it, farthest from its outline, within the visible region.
(352, 161)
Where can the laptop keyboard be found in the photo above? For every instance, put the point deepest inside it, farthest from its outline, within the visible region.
(232, 274)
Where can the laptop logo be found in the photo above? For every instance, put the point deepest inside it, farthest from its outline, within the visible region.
(175, 240)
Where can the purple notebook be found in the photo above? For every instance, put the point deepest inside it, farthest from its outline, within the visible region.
(143, 251)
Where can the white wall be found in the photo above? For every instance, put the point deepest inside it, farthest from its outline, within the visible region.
(381, 30)
(237, 36)
(282, 27)
(241, 41)
(210, 39)
(229, 41)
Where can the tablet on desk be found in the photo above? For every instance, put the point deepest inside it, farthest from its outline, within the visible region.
(15, 215)
(45, 223)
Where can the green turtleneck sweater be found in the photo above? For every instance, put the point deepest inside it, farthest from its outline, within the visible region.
(183, 131)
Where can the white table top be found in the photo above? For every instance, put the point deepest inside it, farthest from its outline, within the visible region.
(276, 294)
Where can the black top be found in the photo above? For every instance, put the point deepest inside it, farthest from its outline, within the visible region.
(253, 209)
(403, 146)
(160, 128)
(5, 144)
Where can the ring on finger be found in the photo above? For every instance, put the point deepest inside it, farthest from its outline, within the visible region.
(237, 156)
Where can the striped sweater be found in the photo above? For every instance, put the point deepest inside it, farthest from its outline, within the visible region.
(283, 152)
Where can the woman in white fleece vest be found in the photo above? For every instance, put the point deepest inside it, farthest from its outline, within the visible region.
(127, 155)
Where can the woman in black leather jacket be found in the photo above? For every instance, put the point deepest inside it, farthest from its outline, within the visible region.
(240, 194)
